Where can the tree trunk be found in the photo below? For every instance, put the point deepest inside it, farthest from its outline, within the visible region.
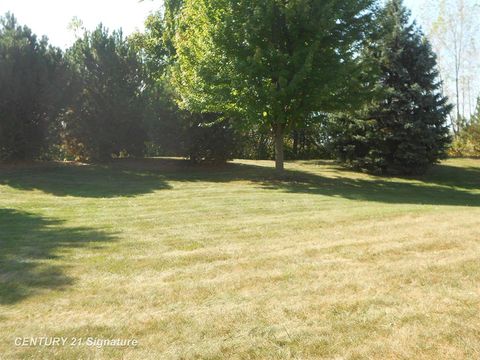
(457, 88)
(279, 156)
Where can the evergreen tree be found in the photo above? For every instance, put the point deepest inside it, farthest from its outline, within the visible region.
(403, 130)
(31, 91)
(274, 62)
(105, 117)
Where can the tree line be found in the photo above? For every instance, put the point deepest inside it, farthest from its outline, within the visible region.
(211, 80)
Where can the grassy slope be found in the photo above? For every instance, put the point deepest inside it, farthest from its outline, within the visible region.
(232, 263)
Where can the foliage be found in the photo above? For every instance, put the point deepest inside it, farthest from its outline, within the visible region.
(31, 91)
(272, 62)
(173, 131)
(213, 80)
(214, 142)
(310, 141)
(467, 142)
(105, 117)
(404, 130)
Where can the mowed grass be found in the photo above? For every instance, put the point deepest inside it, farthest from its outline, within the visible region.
(235, 263)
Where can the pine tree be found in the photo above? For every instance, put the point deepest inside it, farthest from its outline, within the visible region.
(404, 130)
(31, 91)
(106, 114)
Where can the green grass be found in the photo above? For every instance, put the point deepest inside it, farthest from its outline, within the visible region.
(235, 263)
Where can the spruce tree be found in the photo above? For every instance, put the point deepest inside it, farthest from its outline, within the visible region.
(404, 129)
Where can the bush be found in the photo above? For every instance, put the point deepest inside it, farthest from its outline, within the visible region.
(467, 142)
(214, 142)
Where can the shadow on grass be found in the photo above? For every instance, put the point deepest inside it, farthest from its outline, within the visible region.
(28, 244)
(391, 192)
(91, 181)
(453, 176)
(443, 185)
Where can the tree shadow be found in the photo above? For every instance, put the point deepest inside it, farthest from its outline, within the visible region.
(453, 176)
(27, 243)
(383, 191)
(442, 185)
(90, 181)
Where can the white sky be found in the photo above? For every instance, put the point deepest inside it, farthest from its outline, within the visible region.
(51, 17)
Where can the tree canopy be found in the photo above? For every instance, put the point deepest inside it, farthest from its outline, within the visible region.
(212, 80)
(274, 62)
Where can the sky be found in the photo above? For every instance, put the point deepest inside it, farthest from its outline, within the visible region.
(52, 17)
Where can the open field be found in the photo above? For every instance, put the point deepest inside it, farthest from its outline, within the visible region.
(232, 263)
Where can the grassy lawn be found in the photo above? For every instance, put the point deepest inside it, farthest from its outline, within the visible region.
(233, 263)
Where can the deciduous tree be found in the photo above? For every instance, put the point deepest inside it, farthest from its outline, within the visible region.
(274, 62)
